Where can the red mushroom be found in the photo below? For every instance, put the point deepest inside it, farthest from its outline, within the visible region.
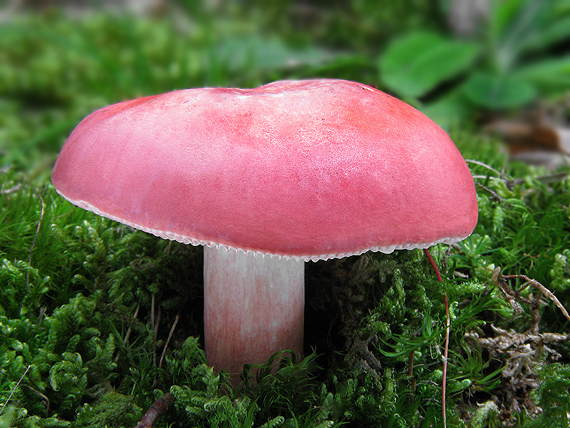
(266, 179)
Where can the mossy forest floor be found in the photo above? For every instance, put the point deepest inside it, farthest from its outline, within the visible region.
(98, 321)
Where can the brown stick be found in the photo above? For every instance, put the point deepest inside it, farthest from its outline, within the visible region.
(543, 290)
(159, 407)
(168, 339)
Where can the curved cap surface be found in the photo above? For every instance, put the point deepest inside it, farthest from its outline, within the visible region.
(311, 169)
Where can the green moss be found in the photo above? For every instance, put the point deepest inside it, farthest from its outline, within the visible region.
(86, 304)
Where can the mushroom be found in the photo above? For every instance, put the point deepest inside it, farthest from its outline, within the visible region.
(266, 179)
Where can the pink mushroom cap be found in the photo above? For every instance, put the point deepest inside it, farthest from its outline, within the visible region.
(310, 169)
(305, 170)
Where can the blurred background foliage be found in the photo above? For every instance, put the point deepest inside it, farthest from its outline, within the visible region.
(86, 304)
(60, 62)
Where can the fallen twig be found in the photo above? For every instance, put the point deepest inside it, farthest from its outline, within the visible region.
(159, 407)
(14, 388)
(511, 295)
(11, 189)
(168, 339)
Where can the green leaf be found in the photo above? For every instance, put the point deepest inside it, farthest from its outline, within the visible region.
(418, 62)
(498, 91)
(523, 25)
(503, 13)
(555, 32)
(449, 110)
(242, 53)
(549, 76)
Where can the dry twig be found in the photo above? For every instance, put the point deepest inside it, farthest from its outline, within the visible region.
(542, 289)
(14, 389)
(168, 339)
(11, 189)
(513, 296)
(159, 407)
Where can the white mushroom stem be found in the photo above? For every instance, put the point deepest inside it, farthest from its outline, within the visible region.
(254, 307)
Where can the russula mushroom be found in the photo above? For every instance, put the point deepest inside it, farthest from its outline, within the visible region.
(266, 179)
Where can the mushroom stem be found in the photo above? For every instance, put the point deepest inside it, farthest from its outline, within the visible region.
(254, 307)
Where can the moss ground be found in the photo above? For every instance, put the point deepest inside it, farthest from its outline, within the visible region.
(87, 305)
